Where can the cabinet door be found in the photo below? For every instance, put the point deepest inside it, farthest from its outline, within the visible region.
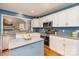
(35, 23)
(59, 45)
(52, 43)
(51, 18)
(5, 42)
(45, 19)
(32, 25)
(73, 16)
(42, 20)
(62, 18)
(55, 21)
(71, 47)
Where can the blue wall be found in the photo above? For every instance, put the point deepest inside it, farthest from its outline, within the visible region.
(0, 24)
(13, 13)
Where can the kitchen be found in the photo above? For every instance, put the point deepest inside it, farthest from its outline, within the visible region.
(52, 34)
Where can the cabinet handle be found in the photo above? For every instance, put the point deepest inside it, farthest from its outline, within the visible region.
(57, 24)
(66, 23)
(63, 44)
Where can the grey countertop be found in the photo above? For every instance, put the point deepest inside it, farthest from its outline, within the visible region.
(61, 34)
(66, 36)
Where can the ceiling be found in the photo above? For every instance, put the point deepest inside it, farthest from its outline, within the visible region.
(33, 9)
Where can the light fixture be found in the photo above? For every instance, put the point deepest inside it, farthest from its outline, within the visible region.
(63, 31)
(32, 11)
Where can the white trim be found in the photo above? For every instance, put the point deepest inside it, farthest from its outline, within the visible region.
(1, 34)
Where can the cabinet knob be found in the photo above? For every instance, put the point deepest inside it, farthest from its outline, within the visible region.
(57, 24)
(66, 23)
(63, 44)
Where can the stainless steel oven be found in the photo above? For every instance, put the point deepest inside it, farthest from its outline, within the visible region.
(46, 39)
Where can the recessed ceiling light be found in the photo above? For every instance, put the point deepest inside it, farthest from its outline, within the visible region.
(32, 11)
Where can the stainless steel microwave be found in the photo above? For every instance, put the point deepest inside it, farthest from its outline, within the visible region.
(47, 24)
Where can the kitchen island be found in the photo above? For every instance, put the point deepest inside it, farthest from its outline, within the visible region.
(33, 47)
(22, 47)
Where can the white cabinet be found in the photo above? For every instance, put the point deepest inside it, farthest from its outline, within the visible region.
(35, 23)
(5, 42)
(51, 19)
(64, 46)
(66, 18)
(55, 20)
(52, 43)
(59, 19)
(73, 16)
(71, 47)
(57, 44)
(43, 20)
(62, 18)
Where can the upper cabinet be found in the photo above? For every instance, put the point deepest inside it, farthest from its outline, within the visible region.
(55, 20)
(65, 18)
(43, 20)
(73, 16)
(35, 23)
(62, 18)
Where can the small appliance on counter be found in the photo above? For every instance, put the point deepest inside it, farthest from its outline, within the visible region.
(74, 35)
(27, 37)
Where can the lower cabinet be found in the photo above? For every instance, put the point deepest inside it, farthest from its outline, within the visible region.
(34, 49)
(52, 42)
(71, 47)
(64, 46)
(57, 44)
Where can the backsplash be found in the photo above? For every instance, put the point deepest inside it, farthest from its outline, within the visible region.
(66, 30)
(38, 30)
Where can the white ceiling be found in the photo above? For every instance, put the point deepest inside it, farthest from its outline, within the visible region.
(33, 9)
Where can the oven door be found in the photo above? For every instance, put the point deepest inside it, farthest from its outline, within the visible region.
(46, 41)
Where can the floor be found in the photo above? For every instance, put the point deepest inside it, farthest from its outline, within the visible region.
(49, 52)
(5, 52)
(0, 53)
